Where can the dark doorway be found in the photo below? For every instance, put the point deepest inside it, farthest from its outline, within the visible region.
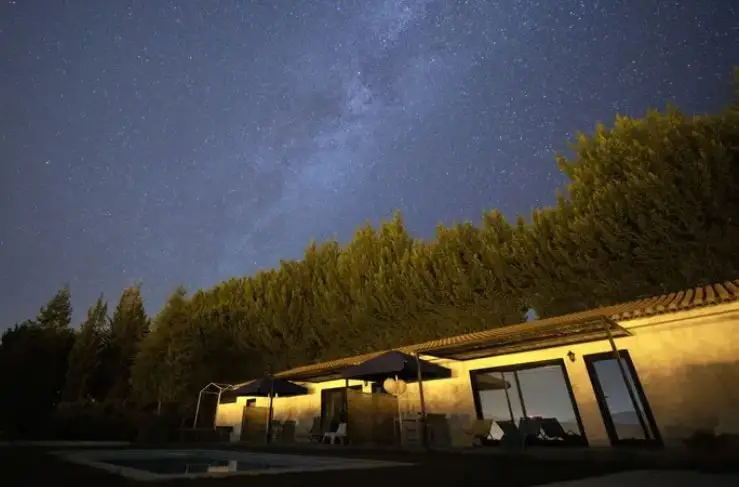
(333, 407)
(626, 413)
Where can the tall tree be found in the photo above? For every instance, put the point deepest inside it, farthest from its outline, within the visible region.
(128, 327)
(652, 206)
(33, 360)
(57, 314)
(85, 359)
(160, 374)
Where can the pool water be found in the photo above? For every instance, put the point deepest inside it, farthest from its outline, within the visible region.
(190, 464)
(179, 464)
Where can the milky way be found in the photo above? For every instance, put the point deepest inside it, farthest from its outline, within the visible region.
(189, 142)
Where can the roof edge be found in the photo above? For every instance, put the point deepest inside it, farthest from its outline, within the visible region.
(687, 299)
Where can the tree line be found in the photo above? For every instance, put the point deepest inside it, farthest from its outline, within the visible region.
(651, 206)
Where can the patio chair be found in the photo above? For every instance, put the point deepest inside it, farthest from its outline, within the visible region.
(316, 432)
(275, 430)
(288, 431)
(437, 430)
(337, 436)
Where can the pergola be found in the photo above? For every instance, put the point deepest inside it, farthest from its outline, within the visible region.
(214, 389)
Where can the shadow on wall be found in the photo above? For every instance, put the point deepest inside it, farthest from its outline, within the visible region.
(698, 398)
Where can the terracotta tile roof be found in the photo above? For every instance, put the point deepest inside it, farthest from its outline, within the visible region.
(559, 325)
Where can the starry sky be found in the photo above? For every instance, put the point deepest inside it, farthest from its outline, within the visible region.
(185, 142)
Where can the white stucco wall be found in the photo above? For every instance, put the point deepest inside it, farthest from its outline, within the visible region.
(687, 362)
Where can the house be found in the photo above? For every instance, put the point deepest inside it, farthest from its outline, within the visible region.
(650, 371)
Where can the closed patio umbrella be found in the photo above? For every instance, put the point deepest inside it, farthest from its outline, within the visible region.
(488, 382)
(269, 387)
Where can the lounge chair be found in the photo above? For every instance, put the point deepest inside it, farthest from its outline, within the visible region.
(511, 435)
(530, 427)
(480, 430)
(552, 428)
(338, 436)
(508, 427)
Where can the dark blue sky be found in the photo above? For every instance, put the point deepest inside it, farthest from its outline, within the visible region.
(186, 142)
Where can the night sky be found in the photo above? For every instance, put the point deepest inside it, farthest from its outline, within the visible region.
(184, 142)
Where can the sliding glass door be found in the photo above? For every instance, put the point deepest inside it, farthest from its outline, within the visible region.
(621, 399)
(528, 403)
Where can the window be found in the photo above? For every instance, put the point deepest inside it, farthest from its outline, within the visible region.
(531, 403)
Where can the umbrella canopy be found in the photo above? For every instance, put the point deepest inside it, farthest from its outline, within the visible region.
(267, 386)
(395, 364)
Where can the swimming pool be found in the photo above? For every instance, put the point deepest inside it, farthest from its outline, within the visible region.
(173, 464)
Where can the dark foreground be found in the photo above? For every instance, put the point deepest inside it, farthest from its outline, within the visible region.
(23, 466)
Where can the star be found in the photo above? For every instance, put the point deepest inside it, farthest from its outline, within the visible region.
(186, 144)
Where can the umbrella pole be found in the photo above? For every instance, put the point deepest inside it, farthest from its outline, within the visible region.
(400, 416)
(520, 395)
(525, 414)
(424, 435)
(268, 429)
(508, 398)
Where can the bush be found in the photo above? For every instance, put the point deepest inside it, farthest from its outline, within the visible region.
(154, 428)
(90, 421)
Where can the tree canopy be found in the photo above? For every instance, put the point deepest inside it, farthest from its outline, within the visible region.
(651, 206)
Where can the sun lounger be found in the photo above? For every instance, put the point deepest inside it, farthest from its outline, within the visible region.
(480, 430)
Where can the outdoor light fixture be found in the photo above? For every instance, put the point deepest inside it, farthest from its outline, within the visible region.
(571, 356)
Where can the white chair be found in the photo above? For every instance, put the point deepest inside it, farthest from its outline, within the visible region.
(337, 436)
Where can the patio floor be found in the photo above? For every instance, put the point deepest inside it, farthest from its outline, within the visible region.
(652, 478)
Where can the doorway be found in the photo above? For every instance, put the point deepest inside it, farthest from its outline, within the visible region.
(626, 413)
(333, 407)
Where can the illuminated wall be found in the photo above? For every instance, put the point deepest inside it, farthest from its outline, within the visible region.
(301, 409)
(687, 362)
